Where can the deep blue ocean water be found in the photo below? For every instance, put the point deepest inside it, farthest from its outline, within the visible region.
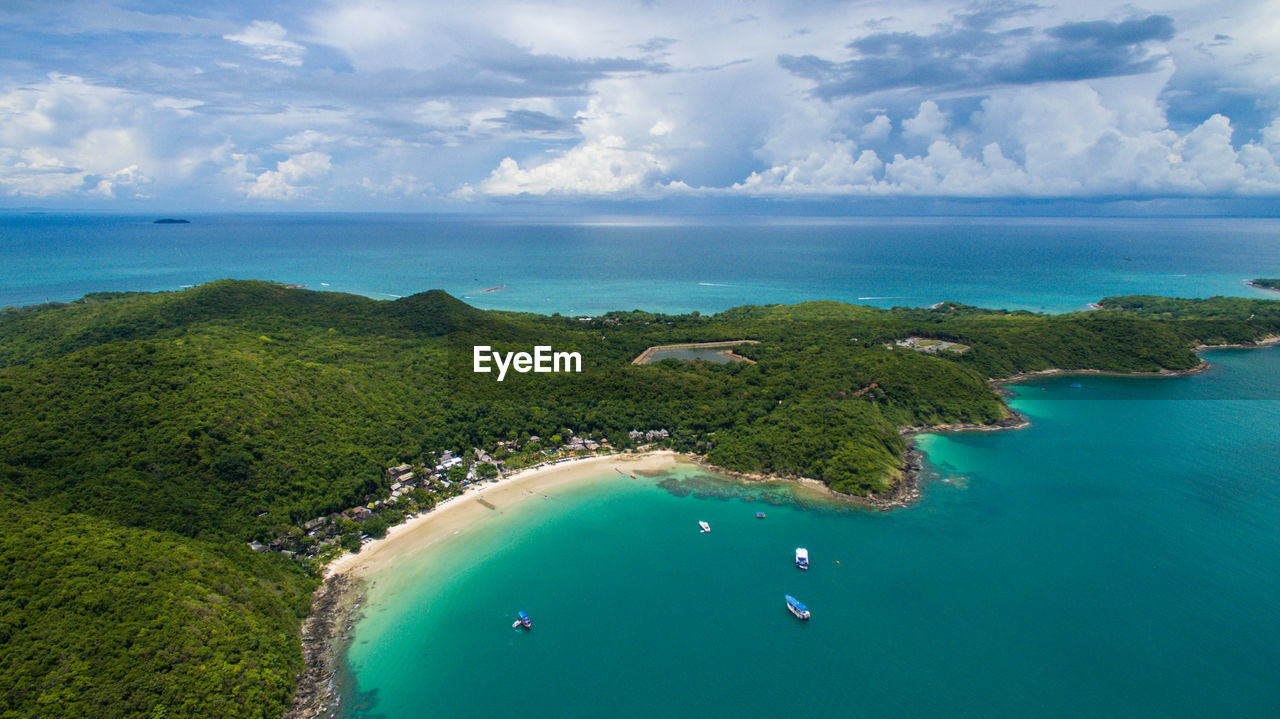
(660, 265)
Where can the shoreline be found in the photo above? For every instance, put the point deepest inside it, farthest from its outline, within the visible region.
(902, 493)
(477, 501)
(1055, 371)
(325, 633)
(326, 630)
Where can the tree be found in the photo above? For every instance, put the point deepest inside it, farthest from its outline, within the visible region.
(375, 526)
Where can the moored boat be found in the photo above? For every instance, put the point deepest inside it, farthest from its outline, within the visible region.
(523, 620)
(802, 558)
(759, 515)
(705, 527)
(796, 608)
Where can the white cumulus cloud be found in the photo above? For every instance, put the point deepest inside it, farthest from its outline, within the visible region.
(289, 180)
(267, 41)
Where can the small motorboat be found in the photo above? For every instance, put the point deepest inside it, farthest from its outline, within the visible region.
(705, 527)
(795, 607)
(802, 558)
(522, 621)
(759, 515)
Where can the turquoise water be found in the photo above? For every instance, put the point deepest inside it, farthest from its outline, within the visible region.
(1117, 558)
(669, 265)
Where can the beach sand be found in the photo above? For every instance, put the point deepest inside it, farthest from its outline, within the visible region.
(456, 514)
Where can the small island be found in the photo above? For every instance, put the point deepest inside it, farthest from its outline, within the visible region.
(1266, 284)
(170, 221)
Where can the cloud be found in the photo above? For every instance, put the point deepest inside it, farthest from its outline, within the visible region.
(66, 136)
(408, 103)
(267, 41)
(656, 44)
(878, 129)
(1054, 142)
(833, 168)
(984, 16)
(603, 166)
(973, 56)
(929, 122)
(1112, 34)
(286, 182)
(534, 121)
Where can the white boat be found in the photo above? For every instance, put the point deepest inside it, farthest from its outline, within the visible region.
(802, 558)
(705, 527)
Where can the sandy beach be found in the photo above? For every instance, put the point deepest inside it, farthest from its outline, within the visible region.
(476, 503)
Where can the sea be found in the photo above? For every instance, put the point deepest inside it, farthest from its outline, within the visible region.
(655, 264)
(1119, 557)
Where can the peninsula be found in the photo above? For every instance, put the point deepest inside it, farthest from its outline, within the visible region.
(176, 467)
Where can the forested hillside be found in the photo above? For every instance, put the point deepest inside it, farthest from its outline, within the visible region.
(145, 439)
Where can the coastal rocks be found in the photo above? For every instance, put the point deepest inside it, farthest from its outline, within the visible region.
(324, 635)
(901, 494)
(1013, 421)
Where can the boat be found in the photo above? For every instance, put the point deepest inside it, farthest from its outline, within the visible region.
(705, 527)
(633, 476)
(802, 558)
(796, 608)
(759, 515)
(523, 620)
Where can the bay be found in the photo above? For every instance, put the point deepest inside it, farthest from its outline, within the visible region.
(1116, 558)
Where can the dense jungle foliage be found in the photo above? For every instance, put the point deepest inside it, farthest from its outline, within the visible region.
(145, 438)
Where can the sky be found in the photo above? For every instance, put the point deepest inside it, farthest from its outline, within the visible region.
(477, 106)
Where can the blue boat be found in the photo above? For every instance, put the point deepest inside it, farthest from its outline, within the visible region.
(796, 608)
(523, 620)
(759, 515)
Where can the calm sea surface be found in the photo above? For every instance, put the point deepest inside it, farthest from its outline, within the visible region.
(670, 266)
(1119, 558)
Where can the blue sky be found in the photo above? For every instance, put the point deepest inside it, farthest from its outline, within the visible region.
(486, 106)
